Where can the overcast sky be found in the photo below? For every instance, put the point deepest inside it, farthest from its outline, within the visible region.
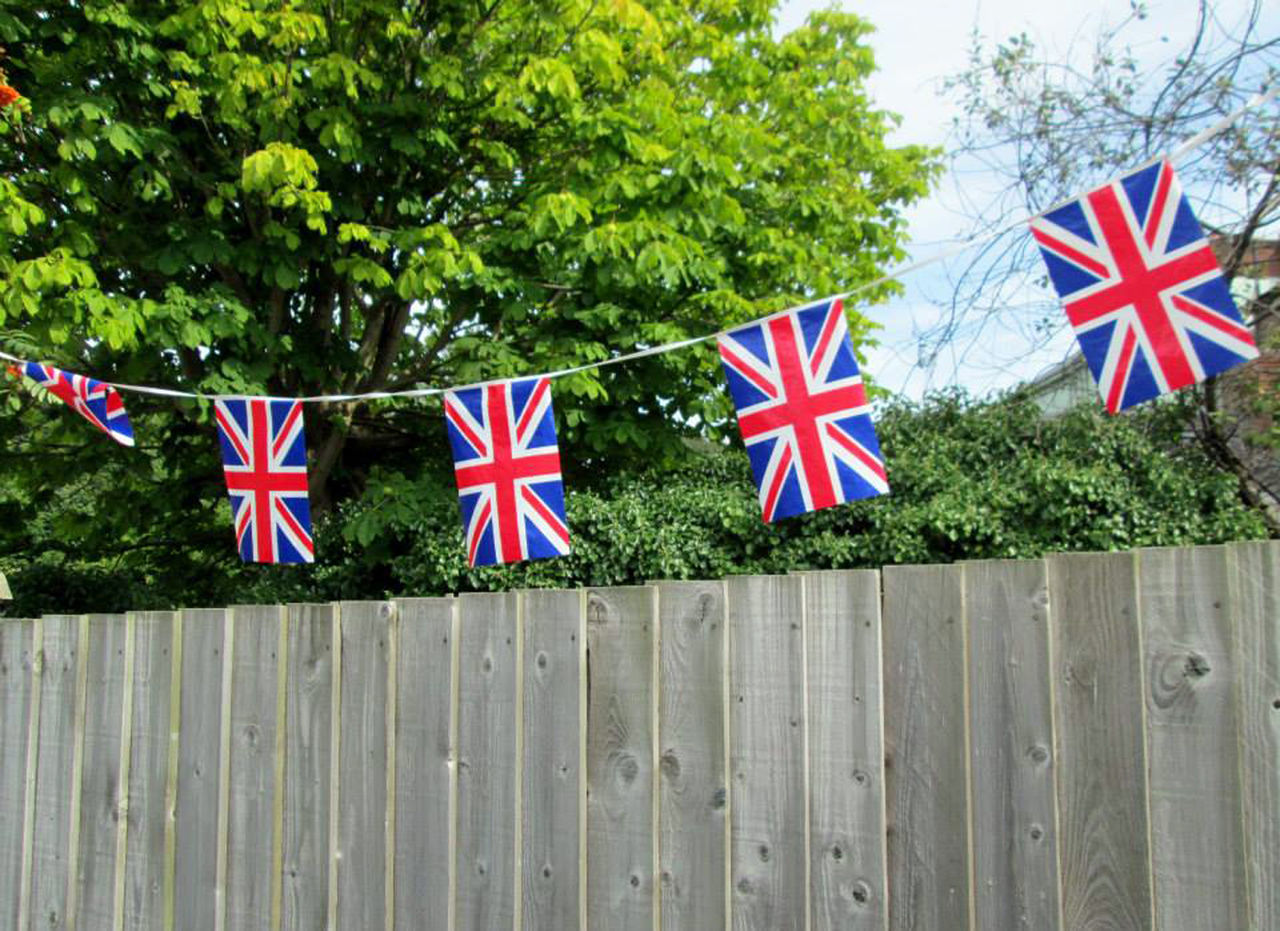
(917, 44)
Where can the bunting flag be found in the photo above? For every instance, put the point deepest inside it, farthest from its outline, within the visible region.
(1142, 288)
(507, 464)
(264, 460)
(95, 401)
(803, 410)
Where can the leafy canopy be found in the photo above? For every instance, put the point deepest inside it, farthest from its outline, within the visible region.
(316, 197)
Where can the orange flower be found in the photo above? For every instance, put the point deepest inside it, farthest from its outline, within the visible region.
(7, 95)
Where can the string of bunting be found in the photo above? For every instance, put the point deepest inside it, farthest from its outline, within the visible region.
(1140, 285)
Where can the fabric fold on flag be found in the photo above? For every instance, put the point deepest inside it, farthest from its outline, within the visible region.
(1142, 288)
(264, 461)
(803, 411)
(506, 461)
(95, 401)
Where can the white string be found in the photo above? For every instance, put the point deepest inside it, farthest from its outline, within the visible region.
(894, 274)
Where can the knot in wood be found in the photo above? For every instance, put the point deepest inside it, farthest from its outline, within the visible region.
(1196, 665)
(627, 767)
(671, 765)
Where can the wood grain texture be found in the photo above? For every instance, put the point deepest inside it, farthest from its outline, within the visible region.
(551, 771)
(148, 770)
(361, 860)
(926, 750)
(252, 789)
(1102, 772)
(486, 757)
(846, 751)
(99, 814)
(1015, 834)
(52, 855)
(621, 627)
(424, 758)
(16, 666)
(199, 759)
(768, 853)
(692, 761)
(1255, 600)
(308, 751)
(1197, 837)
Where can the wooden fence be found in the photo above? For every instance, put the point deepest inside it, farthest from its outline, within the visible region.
(1087, 741)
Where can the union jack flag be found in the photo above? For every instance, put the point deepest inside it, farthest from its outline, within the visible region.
(507, 465)
(803, 411)
(1142, 288)
(95, 401)
(264, 460)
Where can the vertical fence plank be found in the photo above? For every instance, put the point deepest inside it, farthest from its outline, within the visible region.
(551, 776)
(691, 769)
(148, 770)
(308, 753)
(52, 856)
(1015, 835)
(196, 831)
(362, 863)
(769, 860)
(252, 789)
(16, 664)
(99, 815)
(846, 750)
(486, 774)
(620, 639)
(1197, 842)
(1102, 774)
(1255, 601)
(926, 748)
(424, 759)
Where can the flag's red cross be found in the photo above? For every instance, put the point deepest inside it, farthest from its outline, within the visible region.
(800, 409)
(506, 469)
(261, 480)
(1140, 285)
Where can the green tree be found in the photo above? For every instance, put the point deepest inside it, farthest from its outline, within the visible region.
(315, 197)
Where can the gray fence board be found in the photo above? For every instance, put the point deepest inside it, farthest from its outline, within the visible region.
(199, 757)
(925, 747)
(252, 793)
(1102, 772)
(15, 713)
(361, 863)
(1255, 600)
(691, 728)
(424, 759)
(766, 756)
(621, 627)
(552, 625)
(52, 854)
(1197, 842)
(145, 875)
(848, 882)
(308, 761)
(100, 787)
(486, 765)
(1011, 760)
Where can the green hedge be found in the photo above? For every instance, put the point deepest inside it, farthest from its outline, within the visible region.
(970, 481)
